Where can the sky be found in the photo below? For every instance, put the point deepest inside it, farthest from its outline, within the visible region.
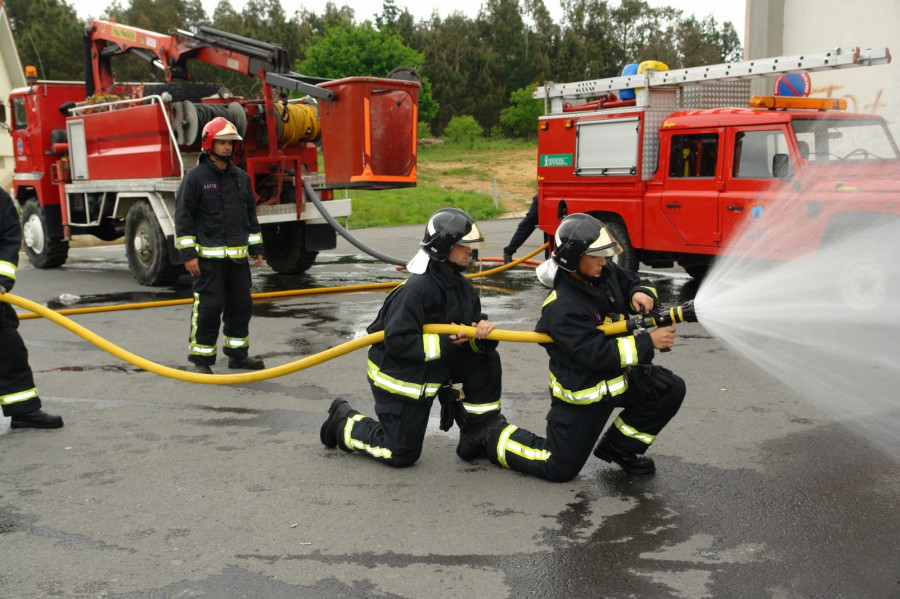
(722, 10)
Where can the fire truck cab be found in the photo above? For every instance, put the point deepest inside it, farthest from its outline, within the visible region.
(693, 167)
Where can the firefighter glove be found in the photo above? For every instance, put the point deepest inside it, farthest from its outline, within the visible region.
(650, 381)
(452, 409)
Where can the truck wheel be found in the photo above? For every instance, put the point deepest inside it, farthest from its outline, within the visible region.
(283, 244)
(697, 271)
(147, 249)
(43, 250)
(628, 258)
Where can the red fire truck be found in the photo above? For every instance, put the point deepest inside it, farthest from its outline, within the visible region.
(105, 158)
(678, 169)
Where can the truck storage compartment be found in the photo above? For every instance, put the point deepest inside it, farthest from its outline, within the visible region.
(369, 133)
(128, 143)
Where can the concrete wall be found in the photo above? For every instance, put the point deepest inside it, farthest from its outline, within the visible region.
(783, 27)
(11, 76)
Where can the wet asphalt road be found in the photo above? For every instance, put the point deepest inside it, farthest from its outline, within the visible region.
(158, 488)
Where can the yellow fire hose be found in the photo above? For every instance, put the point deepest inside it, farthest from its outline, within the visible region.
(680, 314)
(250, 377)
(274, 294)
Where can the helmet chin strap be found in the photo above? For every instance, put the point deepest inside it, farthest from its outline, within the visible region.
(220, 157)
(592, 281)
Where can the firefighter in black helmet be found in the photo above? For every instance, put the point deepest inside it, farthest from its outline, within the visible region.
(590, 373)
(410, 368)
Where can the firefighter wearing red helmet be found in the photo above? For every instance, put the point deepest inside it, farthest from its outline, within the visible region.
(409, 369)
(216, 231)
(590, 373)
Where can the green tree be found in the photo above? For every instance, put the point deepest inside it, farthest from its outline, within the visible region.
(463, 130)
(519, 119)
(48, 36)
(361, 50)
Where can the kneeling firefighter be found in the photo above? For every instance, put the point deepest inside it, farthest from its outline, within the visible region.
(410, 368)
(590, 373)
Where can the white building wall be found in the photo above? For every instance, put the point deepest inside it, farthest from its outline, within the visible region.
(783, 27)
(11, 77)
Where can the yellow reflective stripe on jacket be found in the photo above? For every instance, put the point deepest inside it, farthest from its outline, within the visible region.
(8, 269)
(357, 445)
(11, 398)
(254, 239)
(550, 298)
(506, 445)
(481, 408)
(223, 252)
(628, 353)
(633, 433)
(591, 394)
(236, 341)
(431, 344)
(188, 241)
(398, 387)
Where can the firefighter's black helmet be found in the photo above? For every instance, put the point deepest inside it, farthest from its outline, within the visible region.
(448, 227)
(580, 234)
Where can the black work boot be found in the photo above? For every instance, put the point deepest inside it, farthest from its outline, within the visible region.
(339, 410)
(36, 419)
(246, 363)
(201, 368)
(473, 441)
(628, 460)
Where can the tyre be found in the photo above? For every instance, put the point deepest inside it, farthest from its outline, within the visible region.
(284, 247)
(628, 259)
(43, 249)
(697, 271)
(147, 248)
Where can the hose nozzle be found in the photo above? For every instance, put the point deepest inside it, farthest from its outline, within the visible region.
(683, 313)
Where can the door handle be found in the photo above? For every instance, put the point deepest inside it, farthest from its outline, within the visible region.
(735, 208)
(673, 205)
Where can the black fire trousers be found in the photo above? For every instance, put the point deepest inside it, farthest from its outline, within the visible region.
(221, 295)
(572, 431)
(18, 394)
(396, 438)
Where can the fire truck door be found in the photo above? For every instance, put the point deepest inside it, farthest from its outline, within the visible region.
(689, 202)
(759, 198)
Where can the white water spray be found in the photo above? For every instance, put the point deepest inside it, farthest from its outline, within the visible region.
(827, 325)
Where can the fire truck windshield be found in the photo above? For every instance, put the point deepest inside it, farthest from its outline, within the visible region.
(844, 139)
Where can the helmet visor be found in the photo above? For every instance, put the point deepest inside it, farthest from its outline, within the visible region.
(604, 245)
(474, 239)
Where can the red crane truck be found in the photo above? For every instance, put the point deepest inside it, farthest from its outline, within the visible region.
(677, 169)
(105, 158)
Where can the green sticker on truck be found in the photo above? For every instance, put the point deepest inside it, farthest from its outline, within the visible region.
(556, 160)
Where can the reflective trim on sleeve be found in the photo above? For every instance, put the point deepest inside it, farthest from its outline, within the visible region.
(18, 396)
(398, 387)
(8, 269)
(235, 342)
(591, 394)
(255, 239)
(481, 408)
(628, 353)
(431, 343)
(357, 445)
(632, 433)
(185, 242)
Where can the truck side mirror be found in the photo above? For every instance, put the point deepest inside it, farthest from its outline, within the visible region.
(781, 166)
(2, 112)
